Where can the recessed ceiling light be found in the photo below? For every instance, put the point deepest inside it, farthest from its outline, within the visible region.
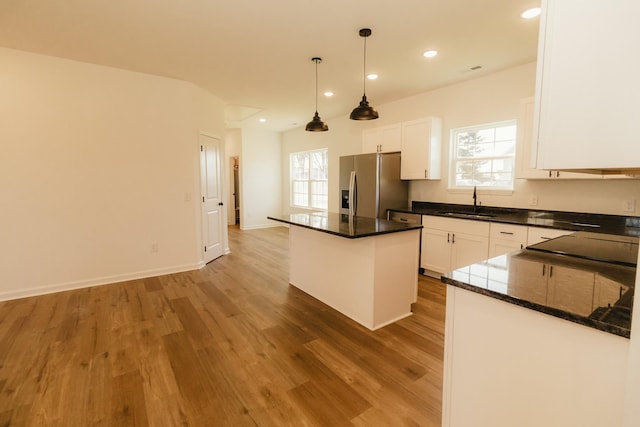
(430, 53)
(262, 120)
(328, 93)
(531, 13)
(372, 76)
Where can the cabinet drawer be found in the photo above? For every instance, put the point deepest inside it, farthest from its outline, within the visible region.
(407, 218)
(454, 225)
(508, 232)
(538, 234)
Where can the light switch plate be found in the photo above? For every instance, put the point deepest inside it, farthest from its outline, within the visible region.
(629, 206)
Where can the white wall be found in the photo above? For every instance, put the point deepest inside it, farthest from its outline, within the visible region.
(97, 164)
(487, 99)
(260, 178)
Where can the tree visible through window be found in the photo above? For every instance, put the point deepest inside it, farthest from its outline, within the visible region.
(483, 156)
(309, 179)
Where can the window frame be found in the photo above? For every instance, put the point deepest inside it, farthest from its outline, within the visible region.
(310, 182)
(454, 159)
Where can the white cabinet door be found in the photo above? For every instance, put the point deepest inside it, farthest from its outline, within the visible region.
(421, 140)
(382, 139)
(570, 290)
(587, 87)
(528, 280)
(524, 161)
(524, 168)
(449, 243)
(436, 250)
(467, 249)
(501, 247)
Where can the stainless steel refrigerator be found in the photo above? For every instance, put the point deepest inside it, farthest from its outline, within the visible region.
(370, 184)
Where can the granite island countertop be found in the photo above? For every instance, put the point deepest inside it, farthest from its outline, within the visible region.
(592, 293)
(351, 227)
(573, 221)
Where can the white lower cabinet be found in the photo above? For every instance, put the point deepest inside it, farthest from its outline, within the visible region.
(540, 234)
(505, 238)
(570, 289)
(556, 286)
(449, 243)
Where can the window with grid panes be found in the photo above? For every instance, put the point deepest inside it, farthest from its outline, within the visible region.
(483, 156)
(309, 179)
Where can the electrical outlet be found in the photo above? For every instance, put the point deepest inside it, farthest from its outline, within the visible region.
(154, 247)
(533, 200)
(629, 206)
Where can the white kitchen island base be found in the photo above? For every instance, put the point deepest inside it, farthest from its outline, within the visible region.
(372, 280)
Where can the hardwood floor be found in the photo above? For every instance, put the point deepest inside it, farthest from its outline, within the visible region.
(229, 345)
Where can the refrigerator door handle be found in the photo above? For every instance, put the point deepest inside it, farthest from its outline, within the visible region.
(352, 193)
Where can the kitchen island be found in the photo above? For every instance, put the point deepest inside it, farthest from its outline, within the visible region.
(535, 338)
(365, 268)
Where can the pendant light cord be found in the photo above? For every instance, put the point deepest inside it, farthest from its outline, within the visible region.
(364, 68)
(316, 61)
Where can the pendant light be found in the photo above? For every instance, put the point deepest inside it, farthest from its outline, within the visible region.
(364, 111)
(316, 124)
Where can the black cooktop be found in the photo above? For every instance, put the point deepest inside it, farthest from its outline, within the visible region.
(622, 250)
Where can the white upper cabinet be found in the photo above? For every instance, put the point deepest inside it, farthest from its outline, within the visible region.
(421, 141)
(588, 85)
(382, 139)
(524, 168)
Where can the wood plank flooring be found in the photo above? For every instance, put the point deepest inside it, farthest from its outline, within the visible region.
(229, 345)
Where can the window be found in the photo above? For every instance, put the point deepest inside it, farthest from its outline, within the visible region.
(483, 156)
(309, 179)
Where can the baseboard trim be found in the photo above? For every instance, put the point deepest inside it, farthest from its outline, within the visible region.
(256, 227)
(97, 281)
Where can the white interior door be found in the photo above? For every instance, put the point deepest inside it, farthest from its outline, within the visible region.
(212, 205)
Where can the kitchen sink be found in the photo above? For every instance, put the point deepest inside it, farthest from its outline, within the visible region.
(467, 214)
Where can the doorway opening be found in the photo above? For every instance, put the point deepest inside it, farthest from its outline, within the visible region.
(235, 163)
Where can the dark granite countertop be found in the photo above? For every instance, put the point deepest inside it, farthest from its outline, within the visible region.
(574, 221)
(351, 227)
(592, 293)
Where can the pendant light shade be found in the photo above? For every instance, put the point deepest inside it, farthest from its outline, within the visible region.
(364, 111)
(316, 124)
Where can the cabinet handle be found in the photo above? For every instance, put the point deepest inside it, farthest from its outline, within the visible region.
(506, 232)
(550, 270)
(453, 238)
(425, 173)
(544, 268)
(447, 237)
(550, 172)
(557, 174)
(521, 246)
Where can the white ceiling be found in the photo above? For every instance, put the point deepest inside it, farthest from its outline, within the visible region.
(256, 54)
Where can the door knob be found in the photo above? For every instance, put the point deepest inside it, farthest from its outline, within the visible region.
(220, 204)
